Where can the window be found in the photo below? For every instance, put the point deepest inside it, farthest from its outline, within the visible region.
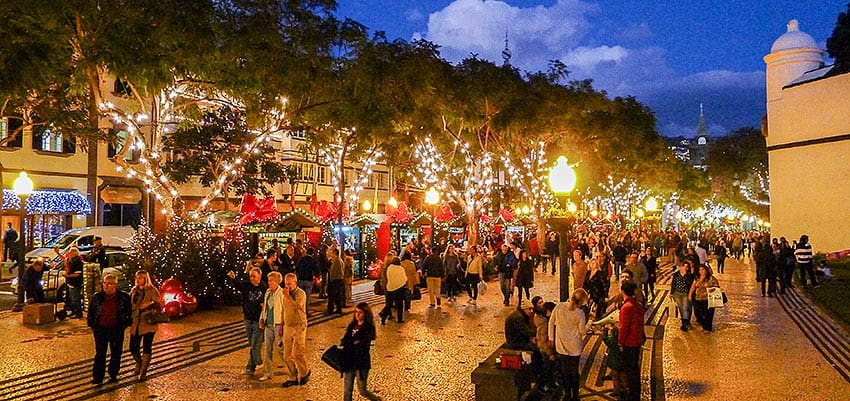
(322, 179)
(120, 136)
(383, 180)
(49, 139)
(7, 128)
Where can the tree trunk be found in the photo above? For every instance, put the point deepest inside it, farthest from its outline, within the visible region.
(472, 227)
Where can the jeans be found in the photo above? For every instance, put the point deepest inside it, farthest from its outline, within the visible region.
(362, 376)
(618, 267)
(804, 268)
(103, 339)
(75, 300)
(451, 285)
(505, 285)
(721, 265)
(307, 286)
(519, 291)
(705, 315)
(684, 305)
(570, 378)
(472, 285)
(255, 343)
(271, 343)
(631, 364)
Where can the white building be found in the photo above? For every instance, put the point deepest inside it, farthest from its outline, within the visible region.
(808, 143)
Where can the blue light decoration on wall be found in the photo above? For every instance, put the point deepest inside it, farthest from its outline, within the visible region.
(48, 202)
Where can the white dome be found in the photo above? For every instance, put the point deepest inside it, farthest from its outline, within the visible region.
(793, 39)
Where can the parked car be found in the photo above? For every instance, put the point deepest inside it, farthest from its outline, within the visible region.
(118, 262)
(83, 239)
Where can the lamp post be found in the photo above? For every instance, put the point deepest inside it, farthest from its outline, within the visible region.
(432, 198)
(23, 187)
(562, 180)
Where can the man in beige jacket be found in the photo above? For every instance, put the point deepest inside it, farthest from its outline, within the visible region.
(294, 332)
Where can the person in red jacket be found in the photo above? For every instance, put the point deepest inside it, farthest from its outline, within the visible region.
(631, 337)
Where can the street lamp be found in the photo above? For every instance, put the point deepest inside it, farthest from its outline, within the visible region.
(432, 197)
(562, 180)
(23, 187)
(367, 206)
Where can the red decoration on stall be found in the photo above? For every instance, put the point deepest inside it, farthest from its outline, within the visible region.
(325, 211)
(399, 214)
(382, 239)
(485, 219)
(445, 214)
(506, 214)
(255, 210)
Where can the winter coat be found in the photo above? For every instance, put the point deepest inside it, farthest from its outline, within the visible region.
(125, 310)
(356, 345)
(525, 274)
(139, 297)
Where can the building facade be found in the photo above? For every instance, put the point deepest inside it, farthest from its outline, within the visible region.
(808, 143)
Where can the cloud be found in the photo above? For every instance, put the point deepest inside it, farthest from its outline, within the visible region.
(414, 15)
(632, 67)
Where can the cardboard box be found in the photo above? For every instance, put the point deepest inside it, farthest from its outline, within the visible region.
(39, 314)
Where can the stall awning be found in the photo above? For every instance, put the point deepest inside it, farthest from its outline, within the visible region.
(368, 219)
(49, 202)
(420, 220)
(292, 221)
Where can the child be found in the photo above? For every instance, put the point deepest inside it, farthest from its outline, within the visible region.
(823, 272)
(614, 360)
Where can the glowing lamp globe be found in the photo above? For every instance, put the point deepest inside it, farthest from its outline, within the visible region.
(23, 184)
(432, 197)
(392, 202)
(640, 213)
(562, 177)
(367, 206)
(571, 207)
(651, 204)
(526, 209)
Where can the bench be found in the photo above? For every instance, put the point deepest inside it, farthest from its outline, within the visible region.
(493, 383)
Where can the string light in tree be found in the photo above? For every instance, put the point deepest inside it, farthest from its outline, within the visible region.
(171, 107)
(529, 175)
(332, 155)
(756, 188)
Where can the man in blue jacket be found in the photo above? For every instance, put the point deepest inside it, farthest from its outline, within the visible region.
(505, 262)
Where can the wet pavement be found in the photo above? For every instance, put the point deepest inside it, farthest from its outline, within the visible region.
(756, 352)
(762, 348)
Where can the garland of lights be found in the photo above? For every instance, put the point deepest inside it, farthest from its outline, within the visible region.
(529, 175)
(763, 187)
(169, 106)
(48, 202)
(619, 197)
(333, 157)
(469, 186)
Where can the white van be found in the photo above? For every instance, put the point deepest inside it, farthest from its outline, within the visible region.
(83, 239)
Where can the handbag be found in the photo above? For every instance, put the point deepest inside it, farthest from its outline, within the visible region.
(379, 289)
(715, 297)
(333, 358)
(156, 317)
(482, 288)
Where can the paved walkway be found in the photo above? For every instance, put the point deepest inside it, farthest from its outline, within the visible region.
(757, 352)
(761, 349)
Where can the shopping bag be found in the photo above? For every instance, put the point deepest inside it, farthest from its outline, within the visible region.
(333, 358)
(715, 297)
(482, 288)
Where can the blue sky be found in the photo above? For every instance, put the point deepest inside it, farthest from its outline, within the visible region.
(671, 55)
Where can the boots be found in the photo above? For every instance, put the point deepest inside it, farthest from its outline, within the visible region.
(143, 371)
(138, 359)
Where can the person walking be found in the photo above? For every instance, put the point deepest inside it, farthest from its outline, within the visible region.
(805, 255)
(348, 275)
(630, 338)
(396, 288)
(680, 289)
(294, 332)
(110, 312)
(336, 283)
(650, 263)
(433, 269)
(765, 266)
(524, 276)
(619, 253)
(785, 259)
(721, 254)
(356, 357)
(553, 251)
(596, 288)
(505, 262)
(305, 270)
(474, 271)
(271, 321)
(412, 278)
(699, 293)
(451, 265)
(146, 301)
(252, 292)
(567, 328)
